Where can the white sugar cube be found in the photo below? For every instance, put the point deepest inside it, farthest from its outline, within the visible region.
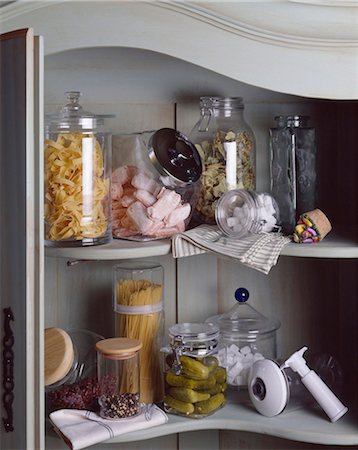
(245, 350)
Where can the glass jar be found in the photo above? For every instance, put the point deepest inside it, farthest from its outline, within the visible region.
(71, 369)
(154, 184)
(293, 168)
(226, 145)
(118, 378)
(239, 212)
(195, 383)
(77, 177)
(246, 336)
(139, 314)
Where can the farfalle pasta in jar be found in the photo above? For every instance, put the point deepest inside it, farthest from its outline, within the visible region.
(226, 145)
(77, 177)
(154, 184)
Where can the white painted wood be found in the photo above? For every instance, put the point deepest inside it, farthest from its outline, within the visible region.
(283, 46)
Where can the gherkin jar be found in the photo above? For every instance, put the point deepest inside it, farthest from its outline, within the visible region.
(226, 144)
(77, 168)
(195, 384)
(293, 168)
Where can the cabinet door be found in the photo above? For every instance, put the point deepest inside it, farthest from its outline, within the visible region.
(21, 246)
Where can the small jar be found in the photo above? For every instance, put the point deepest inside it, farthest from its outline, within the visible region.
(118, 378)
(240, 212)
(226, 144)
(246, 336)
(77, 165)
(154, 184)
(71, 369)
(195, 383)
(139, 314)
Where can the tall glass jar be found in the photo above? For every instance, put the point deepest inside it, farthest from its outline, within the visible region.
(139, 314)
(293, 168)
(77, 177)
(226, 145)
(195, 384)
(118, 378)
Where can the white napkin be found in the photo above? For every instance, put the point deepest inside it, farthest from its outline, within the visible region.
(258, 251)
(81, 428)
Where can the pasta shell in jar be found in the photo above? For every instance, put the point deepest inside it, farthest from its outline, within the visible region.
(77, 177)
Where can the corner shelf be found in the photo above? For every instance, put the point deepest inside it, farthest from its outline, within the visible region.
(330, 247)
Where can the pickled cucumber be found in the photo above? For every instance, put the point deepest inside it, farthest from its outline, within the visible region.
(216, 389)
(179, 406)
(193, 369)
(182, 381)
(220, 375)
(187, 395)
(210, 405)
(211, 362)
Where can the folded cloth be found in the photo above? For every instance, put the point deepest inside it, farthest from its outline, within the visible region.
(81, 428)
(258, 251)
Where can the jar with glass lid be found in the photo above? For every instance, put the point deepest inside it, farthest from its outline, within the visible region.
(226, 144)
(154, 184)
(77, 165)
(195, 383)
(246, 336)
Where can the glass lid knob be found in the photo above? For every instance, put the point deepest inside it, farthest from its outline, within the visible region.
(242, 295)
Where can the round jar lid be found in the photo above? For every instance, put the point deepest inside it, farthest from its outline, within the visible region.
(173, 154)
(268, 388)
(119, 347)
(59, 355)
(194, 332)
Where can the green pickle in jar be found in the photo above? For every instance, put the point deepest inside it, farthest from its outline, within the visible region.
(195, 385)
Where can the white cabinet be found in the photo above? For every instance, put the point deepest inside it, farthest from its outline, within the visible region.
(148, 63)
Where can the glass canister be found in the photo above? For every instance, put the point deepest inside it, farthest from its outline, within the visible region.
(139, 314)
(240, 212)
(154, 184)
(246, 336)
(293, 168)
(195, 383)
(118, 378)
(226, 145)
(71, 369)
(77, 177)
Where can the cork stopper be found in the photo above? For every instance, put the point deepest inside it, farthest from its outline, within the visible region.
(320, 222)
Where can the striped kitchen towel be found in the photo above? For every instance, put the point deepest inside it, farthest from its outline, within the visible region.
(81, 428)
(258, 251)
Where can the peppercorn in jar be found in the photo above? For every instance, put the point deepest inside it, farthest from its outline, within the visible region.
(195, 384)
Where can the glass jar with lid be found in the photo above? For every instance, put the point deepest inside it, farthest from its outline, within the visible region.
(226, 144)
(246, 336)
(118, 378)
(240, 212)
(154, 184)
(195, 383)
(77, 165)
(71, 369)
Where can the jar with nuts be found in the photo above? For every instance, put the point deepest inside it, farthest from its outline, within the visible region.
(226, 145)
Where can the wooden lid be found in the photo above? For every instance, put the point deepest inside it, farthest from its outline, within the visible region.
(59, 355)
(118, 346)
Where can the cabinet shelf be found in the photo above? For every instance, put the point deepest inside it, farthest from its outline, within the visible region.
(330, 247)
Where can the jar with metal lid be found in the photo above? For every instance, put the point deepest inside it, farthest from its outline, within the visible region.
(139, 314)
(71, 369)
(154, 184)
(195, 383)
(240, 212)
(77, 166)
(226, 144)
(118, 378)
(293, 168)
(246, 336)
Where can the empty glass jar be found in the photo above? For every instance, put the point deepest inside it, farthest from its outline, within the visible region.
(77, 177)
(118, 378)
(226, 145)
(293, 168)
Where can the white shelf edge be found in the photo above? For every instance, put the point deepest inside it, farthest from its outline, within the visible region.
(309, 425)
(330, 247)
